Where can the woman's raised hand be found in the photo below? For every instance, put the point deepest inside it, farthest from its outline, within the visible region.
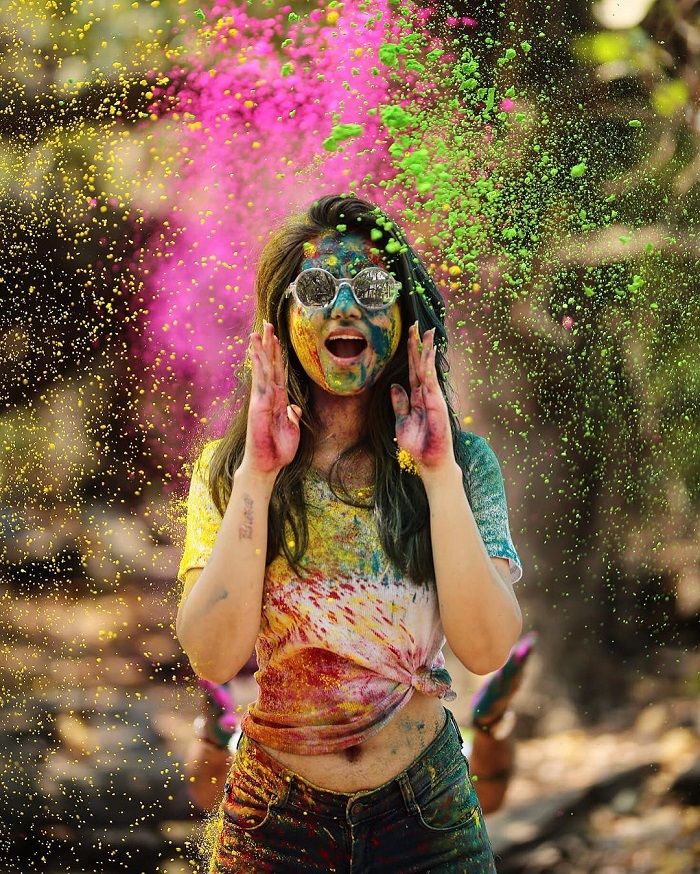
(273, 431)
(423, 422)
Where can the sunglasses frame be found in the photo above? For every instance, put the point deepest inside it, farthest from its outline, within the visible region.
(396, 288)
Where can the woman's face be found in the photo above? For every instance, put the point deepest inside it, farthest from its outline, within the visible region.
(343, 366)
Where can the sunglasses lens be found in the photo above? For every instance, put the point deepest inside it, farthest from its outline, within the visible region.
(315, 288)
(375, 287)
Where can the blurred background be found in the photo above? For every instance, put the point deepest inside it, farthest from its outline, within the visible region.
(544, 159)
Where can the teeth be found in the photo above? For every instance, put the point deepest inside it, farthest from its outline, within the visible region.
(346, 337)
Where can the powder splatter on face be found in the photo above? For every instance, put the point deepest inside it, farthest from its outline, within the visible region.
(343, 255)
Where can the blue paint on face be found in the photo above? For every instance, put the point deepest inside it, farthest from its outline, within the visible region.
(343, 303)
(380, 340)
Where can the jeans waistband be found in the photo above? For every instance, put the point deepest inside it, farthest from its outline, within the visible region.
(446, 746)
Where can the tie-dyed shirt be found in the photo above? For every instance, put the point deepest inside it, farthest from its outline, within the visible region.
(342, 647)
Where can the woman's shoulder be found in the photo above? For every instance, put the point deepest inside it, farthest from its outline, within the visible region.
(474, 446)
(477, 458)
(470, 438)
(204, 453)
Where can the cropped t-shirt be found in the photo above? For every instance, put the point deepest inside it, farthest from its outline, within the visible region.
(343, 645)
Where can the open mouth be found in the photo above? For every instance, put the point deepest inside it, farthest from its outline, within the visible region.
(341, 346)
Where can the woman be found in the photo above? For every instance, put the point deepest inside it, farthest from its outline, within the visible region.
(345, 529)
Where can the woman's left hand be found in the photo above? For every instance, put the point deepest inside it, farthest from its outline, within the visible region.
(423, 424)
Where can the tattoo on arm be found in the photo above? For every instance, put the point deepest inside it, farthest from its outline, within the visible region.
(245, 529)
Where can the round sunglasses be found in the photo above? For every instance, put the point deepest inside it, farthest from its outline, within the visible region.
(372, 288)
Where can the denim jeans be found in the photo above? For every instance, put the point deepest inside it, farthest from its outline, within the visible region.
(426, 819)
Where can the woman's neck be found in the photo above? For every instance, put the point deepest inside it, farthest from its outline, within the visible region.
(341, 418)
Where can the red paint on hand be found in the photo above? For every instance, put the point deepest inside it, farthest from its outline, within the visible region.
(272, 438)
(423, 422)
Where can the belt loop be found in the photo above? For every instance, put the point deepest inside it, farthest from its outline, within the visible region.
(407, 792)
(452, 719)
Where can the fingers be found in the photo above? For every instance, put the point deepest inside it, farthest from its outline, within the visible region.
(413, 356)
(399, 401)
(273, 350)
(421, 363)
(257, 376)
(430, 351)
(294, 414)
(262, 369)
(426, 352)
(280, 376)
(258, 350)
(266, 346)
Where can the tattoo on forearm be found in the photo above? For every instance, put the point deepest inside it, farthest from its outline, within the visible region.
(245, 530)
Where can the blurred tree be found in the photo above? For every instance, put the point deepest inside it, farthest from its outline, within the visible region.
(74, 81)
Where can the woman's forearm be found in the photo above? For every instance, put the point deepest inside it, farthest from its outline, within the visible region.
(219, 620)
(479, 611)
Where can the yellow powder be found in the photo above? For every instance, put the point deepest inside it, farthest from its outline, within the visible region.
(407, 461)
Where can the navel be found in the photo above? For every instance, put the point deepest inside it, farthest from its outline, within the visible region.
(352, 754)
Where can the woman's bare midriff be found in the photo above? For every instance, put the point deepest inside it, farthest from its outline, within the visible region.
(380, 758)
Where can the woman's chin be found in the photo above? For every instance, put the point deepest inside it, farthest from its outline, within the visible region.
(345, 391)
(342, 385)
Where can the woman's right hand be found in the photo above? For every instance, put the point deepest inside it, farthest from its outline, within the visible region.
(273, 433)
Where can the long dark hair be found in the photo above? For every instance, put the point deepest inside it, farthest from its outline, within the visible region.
(399, 501)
